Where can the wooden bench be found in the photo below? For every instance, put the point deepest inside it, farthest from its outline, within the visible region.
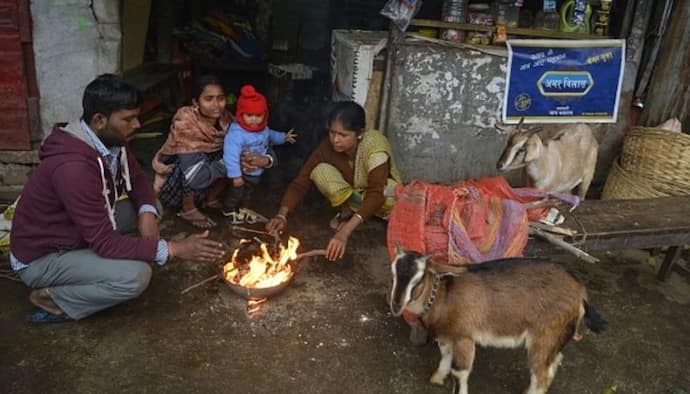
(627, 224)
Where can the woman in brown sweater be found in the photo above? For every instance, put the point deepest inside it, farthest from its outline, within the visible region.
(351, 168)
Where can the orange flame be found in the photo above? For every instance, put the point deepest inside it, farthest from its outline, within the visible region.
(264, 271)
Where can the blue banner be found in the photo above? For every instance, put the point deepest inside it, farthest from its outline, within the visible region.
(563, 81)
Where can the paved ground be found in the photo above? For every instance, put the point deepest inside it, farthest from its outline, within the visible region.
(329, 332)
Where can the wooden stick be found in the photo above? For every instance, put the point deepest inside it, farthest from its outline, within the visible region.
(194, 286)
(561, 243)
(315, 252)
(274, 234)
(547, 202)
(249, 230)
(554, 229)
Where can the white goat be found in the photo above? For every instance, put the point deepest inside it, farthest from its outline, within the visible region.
(503, 303)
(555, 165)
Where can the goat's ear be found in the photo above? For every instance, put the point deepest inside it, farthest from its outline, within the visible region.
(509, 130)
(398, 248)
(503, 129)
(533, 148)
(425, 259)
(534, 130)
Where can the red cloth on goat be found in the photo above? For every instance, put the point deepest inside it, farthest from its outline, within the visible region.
(471, 222)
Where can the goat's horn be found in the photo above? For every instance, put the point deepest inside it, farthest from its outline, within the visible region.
(519, 125)
(398, 248)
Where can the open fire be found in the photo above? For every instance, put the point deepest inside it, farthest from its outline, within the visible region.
(262, 270)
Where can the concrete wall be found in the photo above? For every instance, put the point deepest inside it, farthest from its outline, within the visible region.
(444, 103)
(74, 41)
(15, 168)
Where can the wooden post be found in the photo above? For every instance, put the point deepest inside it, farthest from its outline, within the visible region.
(395, 37)
(666, 268)
(669, 88)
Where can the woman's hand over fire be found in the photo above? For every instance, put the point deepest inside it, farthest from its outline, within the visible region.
(337, 245)
(275, 225)
(278, 222)
(196, 247)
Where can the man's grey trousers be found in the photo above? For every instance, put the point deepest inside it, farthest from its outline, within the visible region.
(82, 283)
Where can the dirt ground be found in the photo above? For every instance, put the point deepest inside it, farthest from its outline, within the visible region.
(330, 331)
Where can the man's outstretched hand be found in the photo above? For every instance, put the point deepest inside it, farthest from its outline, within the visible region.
(196, 247)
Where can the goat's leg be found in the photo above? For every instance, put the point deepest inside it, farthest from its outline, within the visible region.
(463, 359)
(446, 349)
(577, 334)
(541, 379)
(544, 357)
(588, 175)
(554, 367)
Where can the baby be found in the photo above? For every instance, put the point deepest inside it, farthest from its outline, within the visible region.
(248, 133)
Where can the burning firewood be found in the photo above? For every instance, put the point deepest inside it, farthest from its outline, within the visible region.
(260, 270)
(273, 246)
(252, 266)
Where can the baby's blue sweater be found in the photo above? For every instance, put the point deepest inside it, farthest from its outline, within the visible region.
(238, 140)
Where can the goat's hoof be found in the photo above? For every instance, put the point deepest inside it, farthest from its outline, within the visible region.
(577, 337)
(437, 378)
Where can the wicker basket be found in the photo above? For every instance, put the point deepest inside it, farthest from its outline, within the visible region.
(658, 154)
(621, 185)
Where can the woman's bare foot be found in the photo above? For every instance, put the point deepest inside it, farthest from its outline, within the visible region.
(215, 204)
(197, 218)
(42, 299)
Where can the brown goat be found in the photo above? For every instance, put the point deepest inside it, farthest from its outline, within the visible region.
(503, 303)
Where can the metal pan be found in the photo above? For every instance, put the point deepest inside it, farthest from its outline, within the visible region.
(252, 293)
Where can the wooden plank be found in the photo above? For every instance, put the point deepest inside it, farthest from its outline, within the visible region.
(617, 218)
(517, 31)
(9, 18)
(24, 19)
(371, 105)
(537, 247)
(624, 224)
(636, 242)
(14, 119)
(451, 25)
